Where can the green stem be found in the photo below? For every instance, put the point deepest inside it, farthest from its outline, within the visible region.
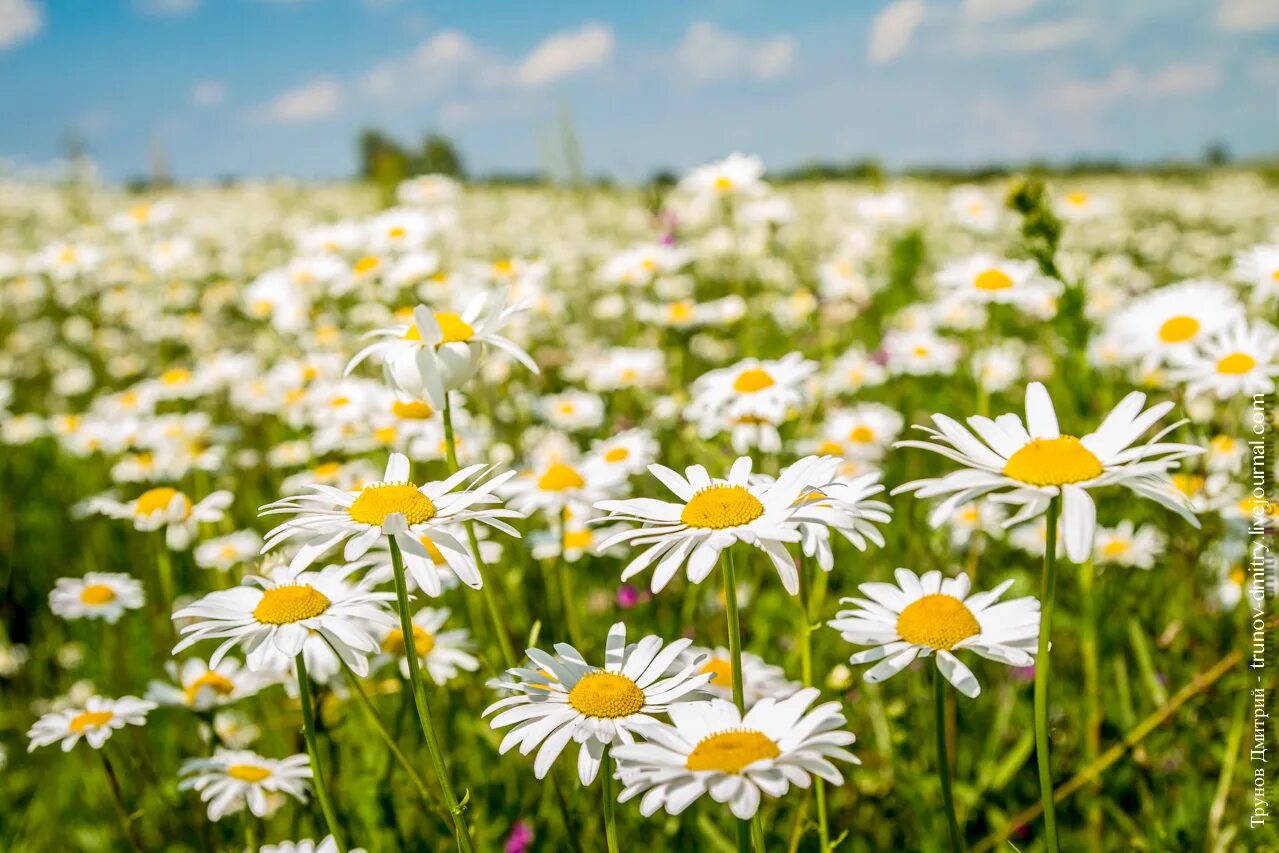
(809, 609)
(313, 749)
(126, 820)
(562, 576)
(1041, 679)
(943, 760)
(1092, 695)
(486, 590)
(735, 659)
(460, 830)
(610, 805)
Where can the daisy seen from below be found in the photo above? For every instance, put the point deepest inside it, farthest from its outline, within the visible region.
(97, 595)
(439, 350)
(398, 509)
(95, 722)
(232, 779)
(567, 699)
(713, 748)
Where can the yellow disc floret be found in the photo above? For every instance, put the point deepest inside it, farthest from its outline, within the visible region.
(717, 507)
(96, 594)
(1178, 329)
(722, 670)
(937, 621)
(992, 279)
(753, 379)
(158, 500)
(1236, 364)
(559, 477)
(606, 694)
(423, 642)
(247, 772)
(1053, 462)
(86, 720)
(216, 682)
(731, 751)
(379, 500)
(284, 605)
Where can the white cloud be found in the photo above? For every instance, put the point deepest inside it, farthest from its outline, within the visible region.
(166, 8)
(19, 20)
(309, 102)
(1243, 15)
(436, 65)
(1126, 82)
(207, 93)
(1185, 79)
(564, 54)
(893, 29)
(707, 53)
(990, 10)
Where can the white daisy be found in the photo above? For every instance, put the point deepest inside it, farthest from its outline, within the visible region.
(168, 508)
(443, 653)
(97, 595)
(921, 616)
(223, 552)
(327, 844)
(394, 507)
(94, 722)
(844, 505)
(440, 350)
(713, 749)
(1239, 360)
(760, 679)
(201, 687)
(1030, 464)
(759, 390)
(230, 780)
(1259, 266)
(569, 699)
(713, 514)
(271, 617)
(1130, 546)
(986, 278)
(1159, 326)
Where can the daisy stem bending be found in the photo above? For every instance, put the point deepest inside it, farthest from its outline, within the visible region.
(1041, 678)
(943, 760)
(313, 748)
(610, 805)
(487, 590)
(423, 707)
(113, 782)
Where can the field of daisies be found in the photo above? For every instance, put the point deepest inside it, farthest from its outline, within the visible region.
(727, 517)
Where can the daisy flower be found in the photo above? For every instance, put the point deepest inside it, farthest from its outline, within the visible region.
(224, 552)
(735, 175)
(97, 595)
(1241, 360)
(231, 780)
(327, 844)
(622, 455)
(1161, 325)
(1259, 266)
(923, 616)
(94, 722)
(711, 515)
(271, 617)
(1130, 546)
(439, 350)
(1030, 464)
(567, 699)
(759, 390)
(712, 748)
(168, 508)
(557, 480)
(443, 653)
(843, 505)
(201, 687)
(396, 507)
(985, 278)
(760, 679)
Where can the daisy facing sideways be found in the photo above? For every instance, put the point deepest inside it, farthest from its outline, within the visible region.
(443, 653)
(201, 687)
(167, 508)
(566, 699)
(230, 780)
(272, 617)
(97, 595)
(394, 507)
(713, 749)
(712, 514)
(1029, 464)
(918, 617)
(94, 722)
(439, 350)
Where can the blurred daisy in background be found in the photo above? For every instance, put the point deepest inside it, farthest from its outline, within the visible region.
(97, 595)
(442, 653)
(1259, 267)
(919, 617)
(223, 552)
(167, 508)
(1242, 359)
(94, 721)
(1156, 327)
(986, 278)
(230, 780)
(1129, 546)
(201, 687)
(760, 679)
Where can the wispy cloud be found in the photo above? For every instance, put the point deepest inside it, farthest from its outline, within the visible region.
(1126, 82)
(207, 93)
(893, 28)
(708, 53)
(562, 55)
(20, 20)
(1244, 15)
(312, 101)
(166, 8)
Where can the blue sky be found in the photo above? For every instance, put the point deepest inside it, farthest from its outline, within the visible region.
(262, 87)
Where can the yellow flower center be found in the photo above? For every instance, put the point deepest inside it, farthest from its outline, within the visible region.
(992, 279)
(1236, 363)
(723, 183)
(247, 772)
(367, 264)
(413, 410)
(284, 605)
(1178, 329)
(1077, 198)
(937, 621)
(327, 471)
(379, 500)
(97, 594)
(606, 694)
(680, 312)
(717, 507)
(453, 328)
(577, 540)
(559, 478)
(1053, 462)
(1188, 484)
(219, 684)
(617, 454)
(157, 500)
(86, 720)
(423, 642)
(176, 376)
(751, 380)
(861, 434)
(731, 751)
(1114, 547)
(722, 671)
